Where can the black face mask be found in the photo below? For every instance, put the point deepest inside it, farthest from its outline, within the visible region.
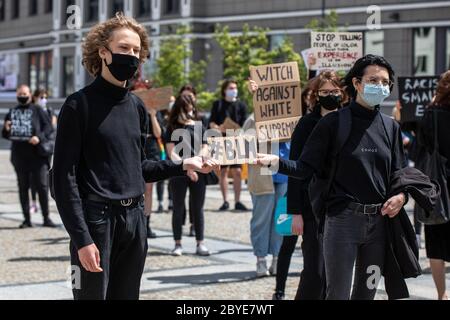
(330, 102)
(23, 100)
(123, 66)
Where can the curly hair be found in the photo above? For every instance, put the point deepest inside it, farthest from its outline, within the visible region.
(359, 68)
(443, 90)
(100, 35)
(324, 77)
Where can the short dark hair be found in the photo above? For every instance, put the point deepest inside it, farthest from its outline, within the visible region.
(225, 85)
(359, 68)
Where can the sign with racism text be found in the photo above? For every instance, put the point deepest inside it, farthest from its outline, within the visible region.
(336, 50)
(233, 149)
(415, 93)
(156, 98)
(277, 102)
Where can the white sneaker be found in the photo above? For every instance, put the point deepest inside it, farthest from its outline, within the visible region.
(178, 251)
(202, 250)
(261, 268)
(273, 267)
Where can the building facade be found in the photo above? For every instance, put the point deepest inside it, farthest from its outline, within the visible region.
(40, 40)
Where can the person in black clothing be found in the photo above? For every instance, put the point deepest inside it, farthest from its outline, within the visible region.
(229, 106)
(185, 138)
(40, 99)
(437, 237)
(152, 152)
(354, 229)
(27, 126)
(100, 169)
(327, 95)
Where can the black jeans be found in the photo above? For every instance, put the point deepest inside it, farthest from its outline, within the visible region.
(38, 176)
(160, 190)
(312, 279)
(120, 235)
(350, 238)
(197, 190)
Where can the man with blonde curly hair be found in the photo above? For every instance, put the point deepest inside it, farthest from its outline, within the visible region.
(100, 170)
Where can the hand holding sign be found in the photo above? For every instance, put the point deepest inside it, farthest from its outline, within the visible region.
(276, 101)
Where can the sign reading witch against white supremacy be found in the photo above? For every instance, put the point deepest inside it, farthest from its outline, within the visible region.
(233, 150)
(277, 102)
(336, 50)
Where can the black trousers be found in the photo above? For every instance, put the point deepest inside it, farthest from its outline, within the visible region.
(120, 234)
(312, 279)
(37, 176)
(197, 192)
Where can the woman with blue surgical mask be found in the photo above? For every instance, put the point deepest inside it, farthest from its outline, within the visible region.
(359, 201)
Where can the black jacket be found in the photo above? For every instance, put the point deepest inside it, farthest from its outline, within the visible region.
(402, 253)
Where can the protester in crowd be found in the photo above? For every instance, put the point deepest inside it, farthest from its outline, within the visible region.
(185, 138)
(327, 95)
(437, 237)
(100, 169)
(152, 152)
(28, 127)
(40, 99)
(354, 225)
(229, 106)
(266, 191)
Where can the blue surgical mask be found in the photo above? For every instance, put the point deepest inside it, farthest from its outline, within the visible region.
(231, 94)
(375, 94)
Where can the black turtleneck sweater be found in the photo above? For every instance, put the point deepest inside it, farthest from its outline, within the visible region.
(364, 162)
(106, 158)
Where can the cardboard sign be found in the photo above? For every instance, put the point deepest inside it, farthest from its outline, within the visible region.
(415, 93)
(233, 150)
(276, 130)
(21, 124)
(229, 124)
(156, 98)
(336, 50)
(278, 98)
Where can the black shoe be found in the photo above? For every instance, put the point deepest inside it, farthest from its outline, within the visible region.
(160, 209)
(278, 295)
(240, 207)
(192, 231)
(225, 206)
(151, 234)
(49, 223)
(26, 224)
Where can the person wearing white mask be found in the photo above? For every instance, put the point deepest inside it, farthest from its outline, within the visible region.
(40, 98)
(229, 106)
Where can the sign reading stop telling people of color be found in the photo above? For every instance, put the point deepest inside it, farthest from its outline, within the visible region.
(336, 50)
(415, 94)
(233, 150)
(277, 102)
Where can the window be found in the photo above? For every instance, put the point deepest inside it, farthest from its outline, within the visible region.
(48, 6)
(117, 6)
(68, 74)
(15, 9)
(2, 10)
(33, 7)
(92, 10)
(144, 8)
(424, 51)
(374, 43)
(171, 6)
(40, 70)
(276, 41)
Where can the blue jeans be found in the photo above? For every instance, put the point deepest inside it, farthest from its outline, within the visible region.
(264, 238)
